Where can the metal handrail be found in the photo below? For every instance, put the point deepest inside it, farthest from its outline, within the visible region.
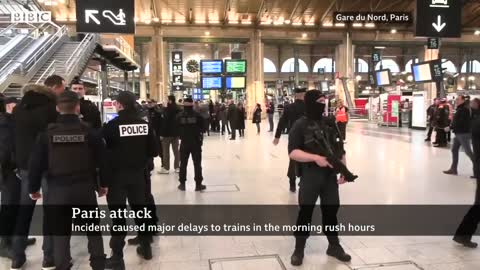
(4, 30)
(52, 40)
(49, 71)
(8, 69)
(79, 51)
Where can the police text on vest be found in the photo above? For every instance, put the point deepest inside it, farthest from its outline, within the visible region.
(133, 130)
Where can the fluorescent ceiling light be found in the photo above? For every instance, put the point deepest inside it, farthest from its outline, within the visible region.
(297, 24)
(200, 22)
(357, 24)
(277, 23)
(370, 25)
(180, 21)
(147, 21)
(477, 32)
(156, 19)
(287, 21)
(393, 31)
(380, 47)
(327, 24)
(339, 25)
(233, 22)
(214, 22)
(246, 22)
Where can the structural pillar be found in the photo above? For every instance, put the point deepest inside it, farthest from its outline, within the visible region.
(255, 80)
(125, 80)
(296, 66)
(344, 54)
(142, 76)
(159, 73)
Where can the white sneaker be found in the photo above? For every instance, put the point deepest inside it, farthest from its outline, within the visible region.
(163, 171)
(177, 170)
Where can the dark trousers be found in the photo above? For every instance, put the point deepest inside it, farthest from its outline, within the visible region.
(270, 121)
(441, 137)
(241, 132)
(292, 172)
(258, 127)
(24, 218)
(476, 155)
(470, 222)
(225, 125)
(80, 195)
(128, 185)
(314, 183)
(206, 125)
(149, 196)
(195, 149)
(9, 207)
(463, 140)
(429, 133)
(342, 126)
(234, 133)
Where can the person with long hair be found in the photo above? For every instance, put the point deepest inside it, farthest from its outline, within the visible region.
(241, 119)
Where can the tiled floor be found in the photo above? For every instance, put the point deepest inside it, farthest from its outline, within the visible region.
(395, 168)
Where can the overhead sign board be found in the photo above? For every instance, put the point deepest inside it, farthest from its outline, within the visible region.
(106, 16)
(438, 18)
(430, 71)
(235, 66)
(211, 66)
(433, 43)
(376, 57)
(177, 69)
(31, 17)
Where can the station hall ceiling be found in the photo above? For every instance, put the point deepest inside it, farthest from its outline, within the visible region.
(266, 13)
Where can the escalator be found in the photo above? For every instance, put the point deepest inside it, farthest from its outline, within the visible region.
(55, 54)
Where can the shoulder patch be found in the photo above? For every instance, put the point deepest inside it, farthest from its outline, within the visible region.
(133, 130)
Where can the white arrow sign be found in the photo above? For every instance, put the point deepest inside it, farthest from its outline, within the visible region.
(90, 14)
(439, 25)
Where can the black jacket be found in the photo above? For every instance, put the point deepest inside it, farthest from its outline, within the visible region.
(128, 152)
(257, 116)
(90, 114)
(32, 116)
(190, 131)
(39, 161)
(241, 118)
(462, 119)
(168, 126)
(291, 113)
(7, 146)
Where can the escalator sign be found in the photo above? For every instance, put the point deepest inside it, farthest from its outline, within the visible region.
(106, 16)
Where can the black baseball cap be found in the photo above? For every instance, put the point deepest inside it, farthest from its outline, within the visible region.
(300, 90)
(11, 100)
(68, 97)
(126, 98)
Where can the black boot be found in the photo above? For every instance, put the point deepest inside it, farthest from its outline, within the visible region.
(145, 251)
(136, 241)
(5, 248)
(337, 252)
(465, 242)
(298, 253)
(200, 187)
(115, 263)
(181, 186)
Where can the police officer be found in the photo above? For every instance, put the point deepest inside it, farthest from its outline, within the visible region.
(88, 111)
(130, 145)
(291, 113)
(318, 179)
(191, 127)
(70, 154)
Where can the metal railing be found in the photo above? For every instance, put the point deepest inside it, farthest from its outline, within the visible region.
(86, 45)
(23, 67)
(48, 72)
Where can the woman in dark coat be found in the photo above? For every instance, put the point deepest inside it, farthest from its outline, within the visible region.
(242, 115)
(257, 117)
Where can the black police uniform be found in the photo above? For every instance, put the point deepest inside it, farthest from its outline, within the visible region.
(130, 145)
(291, 114)
(316, 181)
(191, 128)
(69, 153)
(90, 114)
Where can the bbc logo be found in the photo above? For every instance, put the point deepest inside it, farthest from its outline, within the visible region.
(31, 17)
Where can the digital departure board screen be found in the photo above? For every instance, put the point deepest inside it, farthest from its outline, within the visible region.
(235, 82)
(383, 77)
(211, 66)
(211, 83)
(235, 66)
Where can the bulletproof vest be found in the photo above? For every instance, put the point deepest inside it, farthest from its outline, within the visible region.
(189, 126)
(69, 152)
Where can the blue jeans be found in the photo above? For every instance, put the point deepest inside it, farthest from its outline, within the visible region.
(465, 141)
